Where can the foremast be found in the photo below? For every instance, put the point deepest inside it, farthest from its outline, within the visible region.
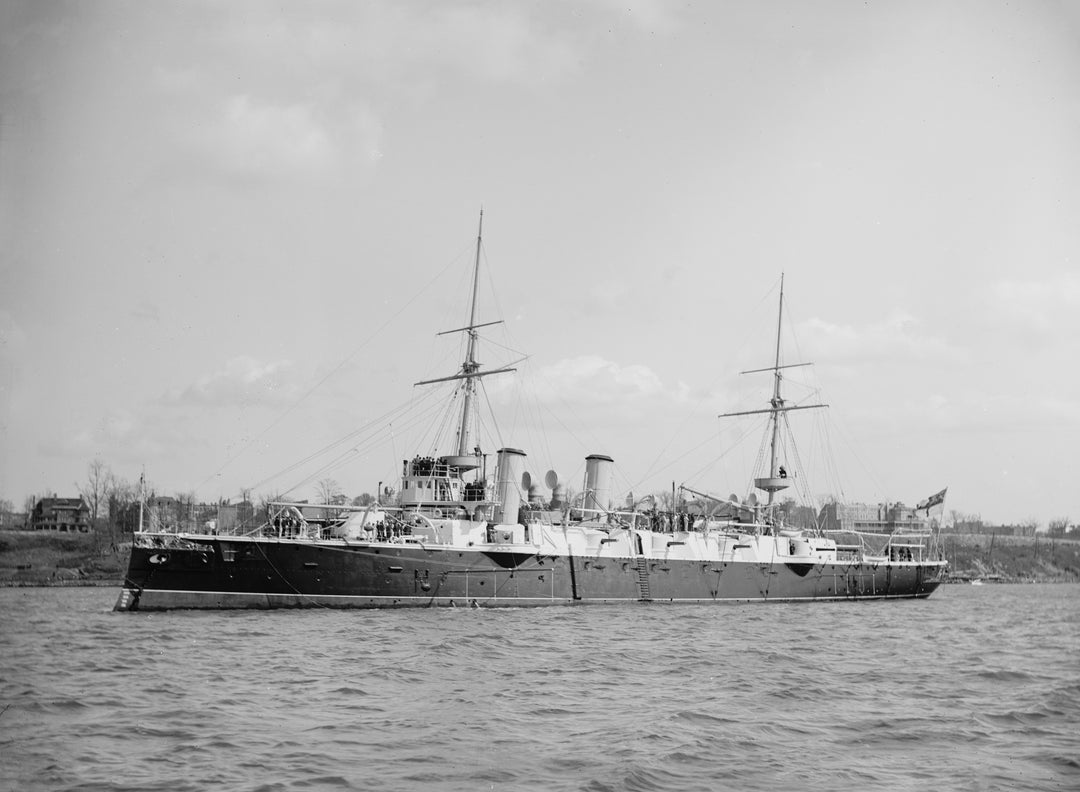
(467, 457)
(470, 367)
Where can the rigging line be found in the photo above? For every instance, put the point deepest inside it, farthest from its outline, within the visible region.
(331, 373)
(759, 463)
(374, 424)
(852, 449)
(487, 401)
(416, 419)
(830, 454)
(491, 285)
(447, 417)
(650, 470)
(534, 413)
(569, 431)
(570, 409)
(430, 416)
(533, 404)
(492, 342)
(530, 407)
(802, 483)
(346, 438)
(682, 456)
(687, 417)
(693, 476)
(329, 467)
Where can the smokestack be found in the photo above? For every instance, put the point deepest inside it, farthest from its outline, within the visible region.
(508, 485)
(598, 481)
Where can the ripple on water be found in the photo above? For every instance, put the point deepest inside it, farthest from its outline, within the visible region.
(826, 696)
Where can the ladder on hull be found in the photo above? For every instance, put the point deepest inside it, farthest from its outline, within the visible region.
(643, 578)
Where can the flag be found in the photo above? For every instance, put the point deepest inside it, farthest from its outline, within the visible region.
(937, 499)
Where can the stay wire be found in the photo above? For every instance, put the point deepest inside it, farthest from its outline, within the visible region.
(329, 374)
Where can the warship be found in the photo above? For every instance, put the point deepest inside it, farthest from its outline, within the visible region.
(471, 529)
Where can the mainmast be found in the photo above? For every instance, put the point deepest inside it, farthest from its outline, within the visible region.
(777, 402)
(776, 479)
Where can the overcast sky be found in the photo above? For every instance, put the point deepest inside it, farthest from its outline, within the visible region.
(229, 232)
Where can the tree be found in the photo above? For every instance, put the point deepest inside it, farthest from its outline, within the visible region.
(364, 499)
(95, 490)
(664, 500)
(185, 509)
(329, 491)
(1058, 527)
(7, 513)
(796, 515)
(122, 498)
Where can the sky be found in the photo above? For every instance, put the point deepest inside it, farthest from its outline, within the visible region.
(230, 232)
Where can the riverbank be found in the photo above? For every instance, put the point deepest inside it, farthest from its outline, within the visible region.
(37, 558)
(44, 558)
(1011, 559)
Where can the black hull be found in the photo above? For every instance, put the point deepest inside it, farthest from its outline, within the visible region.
(244, 573)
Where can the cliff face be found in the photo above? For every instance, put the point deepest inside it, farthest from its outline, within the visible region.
(1012, 558)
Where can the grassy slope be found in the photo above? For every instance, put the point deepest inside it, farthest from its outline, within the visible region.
(43, 557)
(1013, 558)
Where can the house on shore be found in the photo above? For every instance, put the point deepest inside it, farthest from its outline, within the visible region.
(60, 514)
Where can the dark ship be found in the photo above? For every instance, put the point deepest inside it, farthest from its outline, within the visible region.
(469, 530)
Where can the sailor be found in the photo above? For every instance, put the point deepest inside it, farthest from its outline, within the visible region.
(783, 472)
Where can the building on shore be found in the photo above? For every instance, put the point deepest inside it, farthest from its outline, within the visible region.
(978, 528)
(884, 518)
(60, 514)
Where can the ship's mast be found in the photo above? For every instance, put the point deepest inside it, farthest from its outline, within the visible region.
(777, 402)
(470, 369)
(775, 481)
(470, 366)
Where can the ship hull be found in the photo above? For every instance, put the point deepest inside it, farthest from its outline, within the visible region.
(214, 573)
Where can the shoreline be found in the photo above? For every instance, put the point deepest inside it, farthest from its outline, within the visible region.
(61, 583)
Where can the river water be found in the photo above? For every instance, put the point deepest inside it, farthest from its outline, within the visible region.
(977, 688)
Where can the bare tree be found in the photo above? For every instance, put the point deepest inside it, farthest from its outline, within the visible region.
(95, 489)
(7, 513)
(185, 509)
(329, 491)
(122, 495)
(1058, 527)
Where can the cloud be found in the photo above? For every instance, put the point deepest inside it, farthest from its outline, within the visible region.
(243, 382)
(1037, 306)
(252, 137)
(894, 338)
(120, 436)
(592, 383)
(498, 44)
(12, 337)
(146, 311)
(652, 16)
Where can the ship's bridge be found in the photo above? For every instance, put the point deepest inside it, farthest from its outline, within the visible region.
(431, 481)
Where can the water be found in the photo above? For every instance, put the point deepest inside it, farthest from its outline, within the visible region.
(977, 688)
